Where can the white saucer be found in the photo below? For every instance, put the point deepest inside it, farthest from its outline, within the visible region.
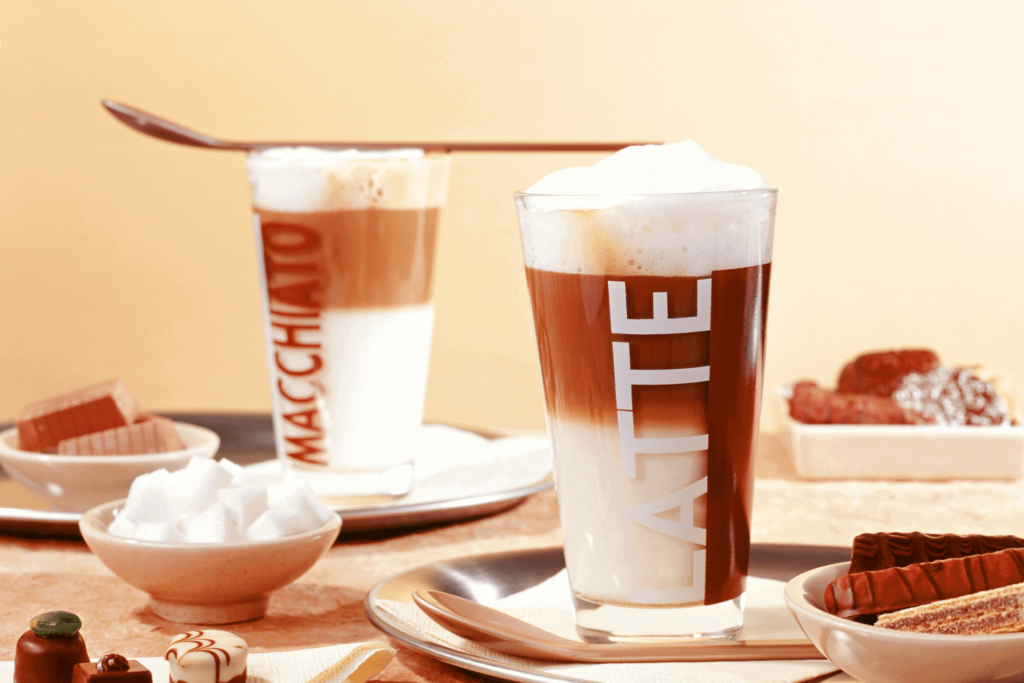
(457, 475)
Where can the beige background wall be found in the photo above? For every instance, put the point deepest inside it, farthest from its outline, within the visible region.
(892, 127)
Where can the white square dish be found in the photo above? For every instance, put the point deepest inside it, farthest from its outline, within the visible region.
(901, 451)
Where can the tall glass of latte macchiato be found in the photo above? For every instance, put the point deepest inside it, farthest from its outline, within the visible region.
(648, 275)
(347, 245)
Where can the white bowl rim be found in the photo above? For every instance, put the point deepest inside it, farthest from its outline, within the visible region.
(85, 525)
(209, 436)
(793, 596)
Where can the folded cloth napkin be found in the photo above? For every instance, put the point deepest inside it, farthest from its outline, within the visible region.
(549, 606)
(453, 463)
(351, 663)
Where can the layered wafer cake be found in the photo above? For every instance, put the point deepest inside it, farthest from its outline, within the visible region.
(995, 611)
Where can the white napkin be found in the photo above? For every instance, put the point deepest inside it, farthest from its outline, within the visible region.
(452, 463)
(549, 606)
(351, 663)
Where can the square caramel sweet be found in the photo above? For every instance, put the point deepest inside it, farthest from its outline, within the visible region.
(136, 673)
(45, 424)
(153, 434)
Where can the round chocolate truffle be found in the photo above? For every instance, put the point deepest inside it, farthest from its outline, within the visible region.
(49, 651)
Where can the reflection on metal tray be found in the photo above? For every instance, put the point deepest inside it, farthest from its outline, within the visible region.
(249, 438)
(484, 577)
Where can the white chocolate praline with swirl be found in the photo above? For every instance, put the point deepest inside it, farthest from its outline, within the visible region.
(207, 656)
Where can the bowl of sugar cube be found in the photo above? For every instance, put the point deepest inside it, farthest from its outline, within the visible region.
(208, 543)
(83, 448)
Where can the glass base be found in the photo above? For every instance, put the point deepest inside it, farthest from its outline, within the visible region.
(613, 623)
(361, 487)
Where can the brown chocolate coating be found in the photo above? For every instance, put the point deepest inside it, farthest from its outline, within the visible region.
(874, 552)
(47, 660)
(134, 672)
(109, 663)
(812, 404)
(853, 595)
(880, 373)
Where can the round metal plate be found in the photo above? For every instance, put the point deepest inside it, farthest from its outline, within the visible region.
(501, 574)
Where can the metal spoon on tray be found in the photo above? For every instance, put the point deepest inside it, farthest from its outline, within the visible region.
(169, 131)
(505, 633)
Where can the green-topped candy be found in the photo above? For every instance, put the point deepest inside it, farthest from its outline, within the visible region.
(55, 625)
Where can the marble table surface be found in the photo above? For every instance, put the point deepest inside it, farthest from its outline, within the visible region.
(325, 606)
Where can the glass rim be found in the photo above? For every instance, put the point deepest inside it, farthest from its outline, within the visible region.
(336, 156)
(757, 192)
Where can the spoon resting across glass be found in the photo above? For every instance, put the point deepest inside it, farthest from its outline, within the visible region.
(162, 129)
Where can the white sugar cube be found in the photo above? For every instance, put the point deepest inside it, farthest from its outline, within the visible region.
(216, 524)
(274, 524)
(300, 497)
(239, 477)
(211, 502)
(121, 526)
(148, 480)
(197, 488)
(161, 532)
(248, 502)
(148, 501)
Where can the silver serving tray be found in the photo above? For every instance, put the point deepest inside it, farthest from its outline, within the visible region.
(481, 576)
(248, 439)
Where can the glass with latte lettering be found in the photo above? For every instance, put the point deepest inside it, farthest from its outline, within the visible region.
(648, 275)
(347, 245)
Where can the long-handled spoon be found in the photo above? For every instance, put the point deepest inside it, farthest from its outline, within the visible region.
(172, 132)
(505, 633)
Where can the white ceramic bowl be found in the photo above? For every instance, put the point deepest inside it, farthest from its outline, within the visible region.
(880, 655)
(206, 583)
(910, 452)
(75, 483)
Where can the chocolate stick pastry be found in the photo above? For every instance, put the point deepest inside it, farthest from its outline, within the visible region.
(874, 552)
(887, 590)
(881, 372)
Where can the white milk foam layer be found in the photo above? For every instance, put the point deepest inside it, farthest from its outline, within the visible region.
(670, 210)
(375, 374)
(611, 558)
(652, 169)
(306, 179)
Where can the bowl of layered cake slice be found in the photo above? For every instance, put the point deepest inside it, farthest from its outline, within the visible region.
(84, 448)
(940, 608)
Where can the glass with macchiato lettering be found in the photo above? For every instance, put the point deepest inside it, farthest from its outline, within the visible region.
(346, 240)
(648, 274)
